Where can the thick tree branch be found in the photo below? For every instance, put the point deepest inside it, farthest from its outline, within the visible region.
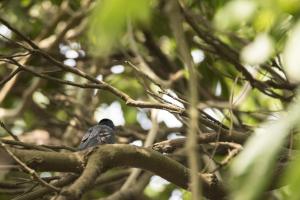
(50, 161)
(109, 156)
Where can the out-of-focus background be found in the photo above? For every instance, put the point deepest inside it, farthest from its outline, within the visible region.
(245, 56)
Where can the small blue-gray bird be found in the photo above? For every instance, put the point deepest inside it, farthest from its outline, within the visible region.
(102, 133)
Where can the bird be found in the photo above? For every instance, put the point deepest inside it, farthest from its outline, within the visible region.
(102, 133)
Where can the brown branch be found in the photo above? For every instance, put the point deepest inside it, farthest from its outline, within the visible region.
(99, 84)
(105, 86)
(18, 33)
(39, 193)
(8, 131)
(175, 18)
(7, 87)
(67, 179)
(4, 191)
(230, 55)
(102, 85)
(133, 191)
(58, 147)
(116, 155)
(168, 146)
(92, 169)
(151, 136)
(28, 169)
(9, 77)
(50, 161)
(231, 153)
(111, 177)
(142, 73)
(108, 156)
(26, 145)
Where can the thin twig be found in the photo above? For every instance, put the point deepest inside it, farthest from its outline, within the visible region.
(236, 148)
(23, 37)
(98, 84)
(102, 85)
(26, 145)
(8, 131)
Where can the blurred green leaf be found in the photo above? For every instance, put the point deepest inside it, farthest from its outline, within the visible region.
(129, 114)
(292, 176)
(290, 6)
(62, 115)
(264, 20)
(291, 56)
(25, 2)
(258, 157)
(258, 51)
(234, 14)
(109, 20)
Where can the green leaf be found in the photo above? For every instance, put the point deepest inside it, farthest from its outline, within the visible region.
(291, 55)
(109, 20)
(292, 176)
(252, 168)
(234, 13)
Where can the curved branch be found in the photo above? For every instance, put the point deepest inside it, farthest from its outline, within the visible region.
(116, 155)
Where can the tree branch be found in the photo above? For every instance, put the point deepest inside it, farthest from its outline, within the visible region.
(27, 169)
(173, 11)
(116, 155)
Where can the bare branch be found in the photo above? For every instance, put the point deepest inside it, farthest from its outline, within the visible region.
(10, 76)
(8, 131)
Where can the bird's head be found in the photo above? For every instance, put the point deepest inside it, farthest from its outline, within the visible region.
(107, 122)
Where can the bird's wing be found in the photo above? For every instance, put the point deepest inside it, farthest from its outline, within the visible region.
(102, 134)
(86, 135)
(99, 134)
